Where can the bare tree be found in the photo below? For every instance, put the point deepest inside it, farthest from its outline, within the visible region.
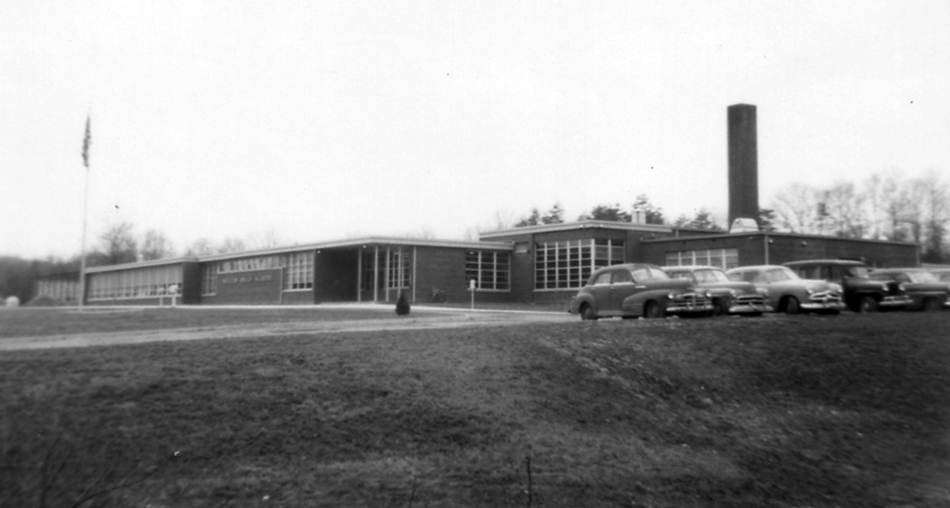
(269, 239)
(842, 204)
(501, 220)
(156, 246)
(118, 244)
(200, 247)
(928, 214)
(231, 245)
(796, 208)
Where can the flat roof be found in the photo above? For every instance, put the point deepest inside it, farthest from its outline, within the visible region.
(569, 226)
(355, 242)
(776, 234)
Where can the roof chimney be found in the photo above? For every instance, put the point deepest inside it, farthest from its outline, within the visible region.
(743, 163)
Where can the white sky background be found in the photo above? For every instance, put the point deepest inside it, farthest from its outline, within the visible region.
(326, 120)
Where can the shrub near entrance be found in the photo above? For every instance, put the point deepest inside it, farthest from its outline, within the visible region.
(402, 305)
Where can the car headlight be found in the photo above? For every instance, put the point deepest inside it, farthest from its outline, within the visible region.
(883, 286)
(836, 288)
(763, 291)
(809, 291)
(671, 296)
(902, 287)
(733, 293)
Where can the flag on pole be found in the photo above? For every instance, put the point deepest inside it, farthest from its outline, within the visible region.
(85, 145)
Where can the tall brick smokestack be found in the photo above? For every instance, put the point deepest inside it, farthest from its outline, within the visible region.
(743, 163)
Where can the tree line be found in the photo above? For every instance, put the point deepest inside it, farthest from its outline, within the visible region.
(118, 244)
(884, 206)
(702, 219)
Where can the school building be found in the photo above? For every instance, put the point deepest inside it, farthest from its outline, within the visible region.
(536, 264)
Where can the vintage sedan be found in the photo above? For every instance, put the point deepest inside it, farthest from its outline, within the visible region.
(637, 290)
(728, 296)
(861, 293)
(789, 293)
(926, 292)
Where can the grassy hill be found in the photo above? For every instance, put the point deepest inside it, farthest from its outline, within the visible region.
(849, 410)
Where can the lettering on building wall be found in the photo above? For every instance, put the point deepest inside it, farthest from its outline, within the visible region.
(244, 279)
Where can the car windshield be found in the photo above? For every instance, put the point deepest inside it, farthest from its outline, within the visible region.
(745, 276)
(780, 274)
(858, 272)
(682, 275)
(710, 275)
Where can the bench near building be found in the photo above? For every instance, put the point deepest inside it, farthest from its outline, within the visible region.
(535, 264)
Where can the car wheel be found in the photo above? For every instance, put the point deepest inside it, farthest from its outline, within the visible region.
(654, 311)
(587, 313)
(719, 308)
(931, 305)
(792, 306)
(867, 304)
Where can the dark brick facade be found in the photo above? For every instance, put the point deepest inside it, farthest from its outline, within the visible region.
(785, 247)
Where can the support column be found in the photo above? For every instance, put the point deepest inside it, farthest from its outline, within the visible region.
(387, 276)
(359, 275)
(376, 275)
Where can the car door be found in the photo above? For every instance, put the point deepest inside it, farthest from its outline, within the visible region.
(600, 289)
(622, 286)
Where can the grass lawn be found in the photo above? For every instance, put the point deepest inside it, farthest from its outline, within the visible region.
(39, 321)
(849, 410)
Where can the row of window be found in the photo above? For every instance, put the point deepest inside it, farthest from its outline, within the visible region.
(720, 258)
(394, 269)
(558, 265)
(138, 283)
(297, 273)
(490, 270)
(568, 264)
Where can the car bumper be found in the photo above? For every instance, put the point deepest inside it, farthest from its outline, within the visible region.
(896, 301)
(750, 308)
(689, 308)
(823, 305)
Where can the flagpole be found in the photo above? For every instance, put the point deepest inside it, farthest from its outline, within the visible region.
(82, 265)
(87, 140)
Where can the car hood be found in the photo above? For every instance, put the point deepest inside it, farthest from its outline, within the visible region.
(737, 286)
(680, 284)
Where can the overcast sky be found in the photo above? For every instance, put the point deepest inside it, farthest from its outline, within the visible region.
(323, 120)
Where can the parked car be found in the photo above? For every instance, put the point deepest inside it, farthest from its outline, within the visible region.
(789, 293)
(942, 274)
(635, 290)
(861, 293)
(926, 292)
(728, 296)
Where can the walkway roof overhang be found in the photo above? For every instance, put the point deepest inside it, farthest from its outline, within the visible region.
(356, 243)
